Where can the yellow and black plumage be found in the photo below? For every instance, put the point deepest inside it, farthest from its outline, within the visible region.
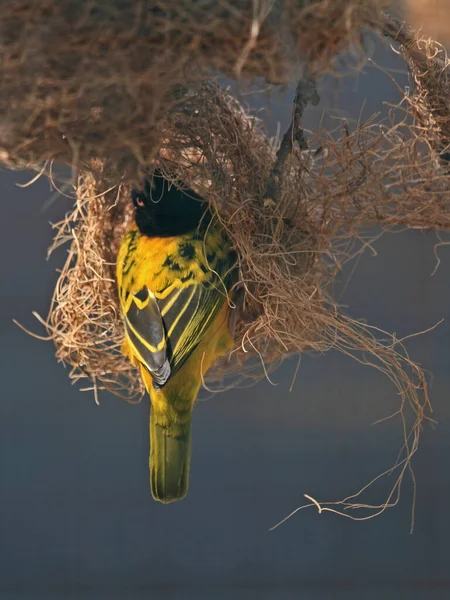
(175, 270)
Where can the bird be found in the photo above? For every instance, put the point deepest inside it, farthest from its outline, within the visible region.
(175, 270)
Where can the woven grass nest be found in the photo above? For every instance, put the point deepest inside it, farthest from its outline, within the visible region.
(132, 86)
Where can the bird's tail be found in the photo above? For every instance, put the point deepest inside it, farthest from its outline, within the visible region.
(170, 456)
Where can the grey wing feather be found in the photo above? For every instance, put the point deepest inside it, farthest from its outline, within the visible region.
(146, 334)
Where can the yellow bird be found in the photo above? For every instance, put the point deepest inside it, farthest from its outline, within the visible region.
(175, 270)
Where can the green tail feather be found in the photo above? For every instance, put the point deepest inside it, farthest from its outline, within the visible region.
(170, 456)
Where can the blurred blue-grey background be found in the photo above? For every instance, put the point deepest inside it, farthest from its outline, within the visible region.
(77, 519)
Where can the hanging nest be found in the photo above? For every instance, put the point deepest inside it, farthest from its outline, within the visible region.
(294, 215)
(211, 144)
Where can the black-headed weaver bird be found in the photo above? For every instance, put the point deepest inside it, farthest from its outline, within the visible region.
(175, 272)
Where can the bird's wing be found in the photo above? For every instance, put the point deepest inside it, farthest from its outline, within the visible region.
(187, 313)
(146, 335)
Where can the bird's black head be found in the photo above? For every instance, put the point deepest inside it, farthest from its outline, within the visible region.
(164, 210)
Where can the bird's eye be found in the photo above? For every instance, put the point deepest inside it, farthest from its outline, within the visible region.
(138, 198)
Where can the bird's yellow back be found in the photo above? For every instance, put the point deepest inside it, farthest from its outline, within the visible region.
(165, 263)
(158, 264)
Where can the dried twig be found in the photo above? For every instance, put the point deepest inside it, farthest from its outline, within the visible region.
(305, 93)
